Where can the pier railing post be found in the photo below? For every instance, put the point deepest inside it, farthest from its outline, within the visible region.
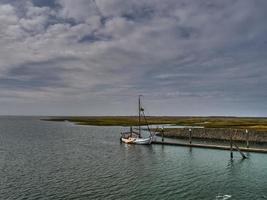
(162, 134)
(190, 136)
(231, 144)
(247, 138)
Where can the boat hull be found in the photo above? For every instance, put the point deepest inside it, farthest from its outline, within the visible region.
(128, 140)
(143, 141)
(131, 140)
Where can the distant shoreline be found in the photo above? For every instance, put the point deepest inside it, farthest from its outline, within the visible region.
(214, 128)
(206, 122)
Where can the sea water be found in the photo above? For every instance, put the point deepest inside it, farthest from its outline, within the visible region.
(60, 160)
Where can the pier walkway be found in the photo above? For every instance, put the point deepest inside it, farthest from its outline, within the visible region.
(211, 146)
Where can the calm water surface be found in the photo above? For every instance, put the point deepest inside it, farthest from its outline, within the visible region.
(54, 160)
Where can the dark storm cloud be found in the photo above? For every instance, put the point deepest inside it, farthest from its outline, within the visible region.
(180, 53)
(94, 38)
(47, 3)
(36, 75)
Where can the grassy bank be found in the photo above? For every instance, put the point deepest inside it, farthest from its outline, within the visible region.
(223, 134)
(113, 121)
(206, 122)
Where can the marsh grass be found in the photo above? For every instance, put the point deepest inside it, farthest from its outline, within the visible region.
(206, 122)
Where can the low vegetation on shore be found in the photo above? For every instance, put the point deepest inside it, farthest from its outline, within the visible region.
(213, 128)
(223, 134)
(206, 122)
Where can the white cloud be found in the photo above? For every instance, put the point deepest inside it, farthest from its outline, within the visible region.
(79, 10)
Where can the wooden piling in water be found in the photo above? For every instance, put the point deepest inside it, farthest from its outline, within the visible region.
(242, 154)
(231, 144)
(162, 135)
(190, 136)
(247, 138)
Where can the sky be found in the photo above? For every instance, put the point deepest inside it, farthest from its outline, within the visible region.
(94, 57)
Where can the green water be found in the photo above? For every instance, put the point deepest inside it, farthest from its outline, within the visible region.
(51, 160)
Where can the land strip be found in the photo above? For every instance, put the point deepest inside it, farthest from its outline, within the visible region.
(214, 128)
(206, 122)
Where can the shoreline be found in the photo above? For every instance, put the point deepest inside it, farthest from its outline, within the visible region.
(217, 134)
(214, 128)
(207, 122)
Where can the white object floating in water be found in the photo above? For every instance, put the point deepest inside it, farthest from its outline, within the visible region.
(223, 197)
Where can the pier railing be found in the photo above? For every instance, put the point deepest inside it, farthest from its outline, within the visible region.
(232, 136)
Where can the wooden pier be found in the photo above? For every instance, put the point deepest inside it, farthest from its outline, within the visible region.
(211, 146)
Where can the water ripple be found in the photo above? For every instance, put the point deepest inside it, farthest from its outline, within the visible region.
(47, 160)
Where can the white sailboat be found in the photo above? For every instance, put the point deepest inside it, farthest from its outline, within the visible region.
(132, 137)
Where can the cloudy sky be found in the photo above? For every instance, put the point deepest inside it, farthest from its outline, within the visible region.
(94, 57)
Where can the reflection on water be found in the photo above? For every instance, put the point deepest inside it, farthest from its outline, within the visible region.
(49, 160)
